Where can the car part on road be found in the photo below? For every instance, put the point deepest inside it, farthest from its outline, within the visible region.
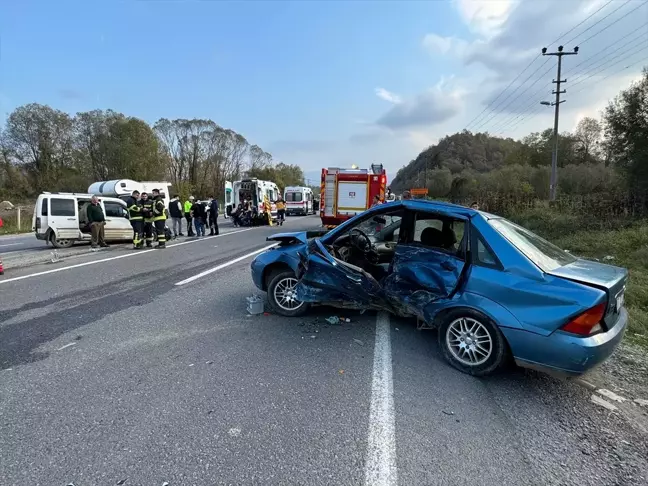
(281, 295)
(471, 343)
(254, 305)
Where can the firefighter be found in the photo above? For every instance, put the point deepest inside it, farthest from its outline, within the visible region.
(136, 219)
(159, 218)
(147, 213)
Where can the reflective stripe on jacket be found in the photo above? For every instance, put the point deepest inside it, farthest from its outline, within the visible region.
(159, 213)
(134, 210)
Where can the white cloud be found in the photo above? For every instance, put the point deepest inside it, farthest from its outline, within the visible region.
(485, 18)
(387, 95)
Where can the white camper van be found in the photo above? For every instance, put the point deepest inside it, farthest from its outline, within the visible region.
(299, 200)
(61, 218)
(254, 190)
(123, 188)
(229, 198)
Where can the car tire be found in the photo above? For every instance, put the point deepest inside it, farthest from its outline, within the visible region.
(280, 282)
(471, 342)
(60, 243)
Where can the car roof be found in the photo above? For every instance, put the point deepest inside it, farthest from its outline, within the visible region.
(427, 205)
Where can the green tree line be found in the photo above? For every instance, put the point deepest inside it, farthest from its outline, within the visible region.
(607, 157)
(45, 149)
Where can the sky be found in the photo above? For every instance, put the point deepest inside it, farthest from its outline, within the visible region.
(324, 83)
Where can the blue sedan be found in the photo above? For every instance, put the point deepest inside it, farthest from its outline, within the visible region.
(492, 288)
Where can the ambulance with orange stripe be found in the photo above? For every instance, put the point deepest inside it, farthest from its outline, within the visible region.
(347, 192)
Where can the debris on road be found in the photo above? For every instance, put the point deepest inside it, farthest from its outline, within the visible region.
(341, 372)
(254, 305)
(208, 362)
(66, 346)
(603, 403)
(121, 481)
(357, 341)
(333, 320)
(641, 402)
(191, 365)
(234, 432)
(447, 412)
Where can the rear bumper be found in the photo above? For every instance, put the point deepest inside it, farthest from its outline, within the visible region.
(564, 354)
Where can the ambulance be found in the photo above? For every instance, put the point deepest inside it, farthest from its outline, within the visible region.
(255, 190)
(299, 200)
(347, 192)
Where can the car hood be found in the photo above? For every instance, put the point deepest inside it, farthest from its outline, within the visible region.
(300, 237)
(593, 273)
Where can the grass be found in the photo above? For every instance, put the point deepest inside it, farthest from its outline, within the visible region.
(10, 220)
(623, 239)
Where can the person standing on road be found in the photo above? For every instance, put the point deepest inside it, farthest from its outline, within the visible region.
(376, 201)
(390, 195)
(187, 212)
(213, 218)
(136, 219)
(175, 211)
(199, 215)
(159, 218)
(97, 222)
(147, 213)
(281, 209)
(407, 195)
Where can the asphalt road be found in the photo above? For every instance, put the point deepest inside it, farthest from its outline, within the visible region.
(110, 373)
(19, 243)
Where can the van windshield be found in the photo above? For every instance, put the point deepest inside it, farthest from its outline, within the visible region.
(294, 196)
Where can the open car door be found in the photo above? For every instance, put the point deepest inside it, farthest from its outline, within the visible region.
(424, 276)
(326, 279)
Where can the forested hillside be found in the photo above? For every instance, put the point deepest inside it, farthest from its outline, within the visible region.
(603, 157)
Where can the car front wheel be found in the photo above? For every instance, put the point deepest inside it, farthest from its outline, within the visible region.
(281, 295)
(471, 342)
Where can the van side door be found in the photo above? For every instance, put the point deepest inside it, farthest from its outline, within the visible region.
(63, 217)
(118, 225)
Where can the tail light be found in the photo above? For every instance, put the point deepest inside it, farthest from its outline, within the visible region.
(588, 323)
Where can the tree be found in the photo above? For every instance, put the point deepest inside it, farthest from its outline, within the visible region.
(626, 130)
(587, 136)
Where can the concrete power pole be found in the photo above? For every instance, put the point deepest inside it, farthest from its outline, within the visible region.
(553, 185)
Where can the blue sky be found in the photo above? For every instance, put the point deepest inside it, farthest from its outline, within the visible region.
(314, 83)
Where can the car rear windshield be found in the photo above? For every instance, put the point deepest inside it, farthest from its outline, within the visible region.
(294, 196)
(545, 255)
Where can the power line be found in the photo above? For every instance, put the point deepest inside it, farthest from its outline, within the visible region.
(644, 59)
(601, 20)
(503, 91)
(642, 4)
(641, 47)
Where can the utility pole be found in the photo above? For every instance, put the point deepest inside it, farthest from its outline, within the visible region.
(553, 185)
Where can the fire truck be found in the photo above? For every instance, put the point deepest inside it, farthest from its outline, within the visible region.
(347, 192)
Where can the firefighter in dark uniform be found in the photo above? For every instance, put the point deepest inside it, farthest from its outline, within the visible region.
(136, 219)
(147, 212)
(159, 218)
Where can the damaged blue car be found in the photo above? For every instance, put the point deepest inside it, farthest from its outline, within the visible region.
(492, 288)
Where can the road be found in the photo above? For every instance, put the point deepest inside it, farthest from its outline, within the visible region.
(111, 373)
(19, 243)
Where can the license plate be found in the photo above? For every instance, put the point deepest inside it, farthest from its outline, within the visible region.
(620, 300)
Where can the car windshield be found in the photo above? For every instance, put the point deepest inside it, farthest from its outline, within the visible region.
(377, 229)
(545, 255)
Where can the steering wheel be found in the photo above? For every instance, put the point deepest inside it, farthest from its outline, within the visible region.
(362, 242)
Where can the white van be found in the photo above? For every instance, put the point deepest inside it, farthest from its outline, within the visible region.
(299, 200)
(61, 218)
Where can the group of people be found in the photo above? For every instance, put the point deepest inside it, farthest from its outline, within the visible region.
(197, 214)
(247, 214)
(147, 216)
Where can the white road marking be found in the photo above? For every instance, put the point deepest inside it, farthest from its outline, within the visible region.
(224, 265)
(118, 257)
(10, 244)
(66, 346)
(380, 468)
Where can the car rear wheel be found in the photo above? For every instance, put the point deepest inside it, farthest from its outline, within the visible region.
(471, 342)
(60, 243)
(281, 295)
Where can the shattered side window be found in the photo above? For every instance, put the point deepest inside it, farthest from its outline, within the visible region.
(434, 232)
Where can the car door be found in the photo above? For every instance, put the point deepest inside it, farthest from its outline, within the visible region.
(326, 279)
(429, 263)
(118, 226)
(63, 217)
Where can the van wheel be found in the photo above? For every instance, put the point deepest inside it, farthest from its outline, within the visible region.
(281, 297)
(56, 243)
(471, 342)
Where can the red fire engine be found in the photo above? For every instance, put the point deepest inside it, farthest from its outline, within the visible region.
(346, 192)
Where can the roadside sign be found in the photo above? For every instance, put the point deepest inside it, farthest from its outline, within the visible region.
(419, 192)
